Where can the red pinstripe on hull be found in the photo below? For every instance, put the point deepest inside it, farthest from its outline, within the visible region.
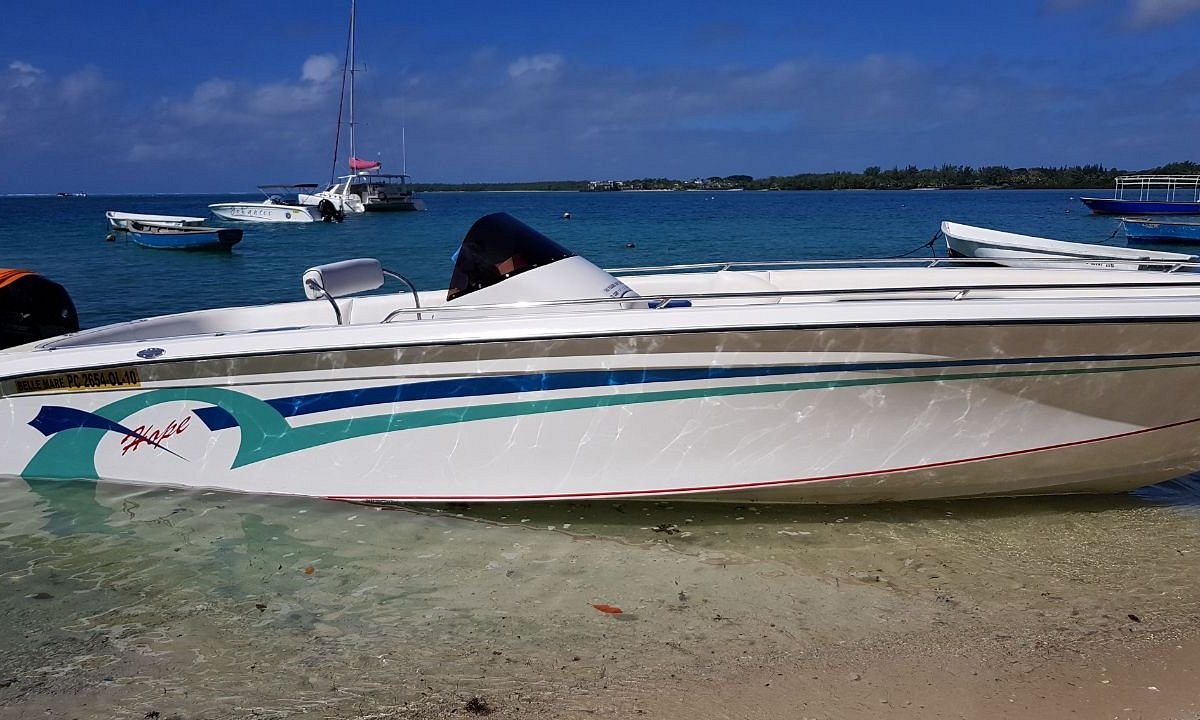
(752, 486)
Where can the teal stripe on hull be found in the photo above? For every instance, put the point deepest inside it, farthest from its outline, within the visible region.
(266, 434)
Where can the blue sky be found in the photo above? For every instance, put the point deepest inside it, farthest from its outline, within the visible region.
(219, 96)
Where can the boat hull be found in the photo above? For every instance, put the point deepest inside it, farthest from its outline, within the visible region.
(400, 204)
(186, 238)
(121, 220)
(1014, 250)
(1113, 206)
(796, 414)
(265, 212)
(1161, 231)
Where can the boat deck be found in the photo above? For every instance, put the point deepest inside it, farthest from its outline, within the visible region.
(674, 295)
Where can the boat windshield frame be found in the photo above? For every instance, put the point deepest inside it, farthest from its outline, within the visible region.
(389, 180)
(287, 188)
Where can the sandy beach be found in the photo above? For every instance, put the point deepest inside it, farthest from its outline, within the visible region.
(217, 608)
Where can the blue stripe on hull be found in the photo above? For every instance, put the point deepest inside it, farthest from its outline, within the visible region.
(466, 387)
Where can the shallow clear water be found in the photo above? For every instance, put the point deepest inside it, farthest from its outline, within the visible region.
(136, 600)
(125, 601)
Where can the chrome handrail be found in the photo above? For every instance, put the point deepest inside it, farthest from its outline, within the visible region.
(1172, 265)
(953, 292)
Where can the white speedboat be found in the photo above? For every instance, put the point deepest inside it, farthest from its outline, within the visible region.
(538, 376)
(276, 208)
(1012, 249)
(120, 220)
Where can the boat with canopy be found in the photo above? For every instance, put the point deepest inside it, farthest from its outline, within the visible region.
(1150, 195)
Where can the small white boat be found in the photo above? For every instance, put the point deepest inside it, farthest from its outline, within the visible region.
(276, 208)
(1014, 250)
(121, 220)
(535, 375)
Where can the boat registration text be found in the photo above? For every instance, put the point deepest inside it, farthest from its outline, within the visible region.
(80, 381)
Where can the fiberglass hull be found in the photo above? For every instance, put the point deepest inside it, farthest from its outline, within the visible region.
(795, 412)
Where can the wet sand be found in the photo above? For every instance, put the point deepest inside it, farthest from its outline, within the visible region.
(212, 606)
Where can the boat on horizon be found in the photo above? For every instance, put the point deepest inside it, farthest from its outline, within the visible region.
(1150, 195)
(1015, 250)
(534, 375)
(1161, 230)
(182, 237)
(277, 208)
(366, 188)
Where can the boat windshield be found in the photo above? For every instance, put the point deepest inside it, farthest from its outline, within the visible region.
(497, 247)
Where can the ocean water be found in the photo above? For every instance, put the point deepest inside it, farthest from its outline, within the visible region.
(64, 238)
(136, 602)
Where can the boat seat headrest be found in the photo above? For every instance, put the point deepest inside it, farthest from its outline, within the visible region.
(342, 278)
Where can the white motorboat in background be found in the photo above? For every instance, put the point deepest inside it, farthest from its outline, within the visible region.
(277, 208)
(538, 376)
(121, 220)
(1012, 249)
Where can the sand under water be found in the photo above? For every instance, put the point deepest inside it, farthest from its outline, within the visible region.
(125, 602)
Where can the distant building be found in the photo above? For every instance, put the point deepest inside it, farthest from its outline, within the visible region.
(603, 185)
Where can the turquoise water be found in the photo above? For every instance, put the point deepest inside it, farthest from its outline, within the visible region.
(64, 238)
(135, 602)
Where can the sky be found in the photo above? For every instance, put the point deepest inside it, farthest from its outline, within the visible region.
(133, 96)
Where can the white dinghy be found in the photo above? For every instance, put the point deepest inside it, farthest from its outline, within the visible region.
(1014, 250)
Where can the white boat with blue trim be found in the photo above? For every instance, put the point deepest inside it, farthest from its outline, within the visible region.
(538, 376)
(276, 207)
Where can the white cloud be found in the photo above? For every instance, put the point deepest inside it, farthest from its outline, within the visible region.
(82, 85)
(532, 65)
(150, 152)
(210, 91)
(23, 74)
(1150, 13)
(281, 99)
(319, 68)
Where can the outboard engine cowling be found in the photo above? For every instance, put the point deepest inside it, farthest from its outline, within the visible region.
(33, 308)
(503, 260)
(330, 212)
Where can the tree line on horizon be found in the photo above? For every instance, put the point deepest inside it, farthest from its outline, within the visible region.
(946, 177)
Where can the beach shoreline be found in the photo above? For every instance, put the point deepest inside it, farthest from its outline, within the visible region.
(1021, 608)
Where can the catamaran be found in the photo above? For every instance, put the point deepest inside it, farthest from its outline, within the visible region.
(367, 188)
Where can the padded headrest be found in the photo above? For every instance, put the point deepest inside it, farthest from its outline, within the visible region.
(342, 278)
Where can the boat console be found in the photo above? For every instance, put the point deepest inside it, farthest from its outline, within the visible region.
(503, 260)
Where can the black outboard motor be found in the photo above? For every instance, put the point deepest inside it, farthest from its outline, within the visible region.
(33, 308)
(330, 212)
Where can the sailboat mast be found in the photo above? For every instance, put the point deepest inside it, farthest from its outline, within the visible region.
(353, 69)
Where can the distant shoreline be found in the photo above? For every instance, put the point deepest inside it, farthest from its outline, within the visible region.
(946, 177)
